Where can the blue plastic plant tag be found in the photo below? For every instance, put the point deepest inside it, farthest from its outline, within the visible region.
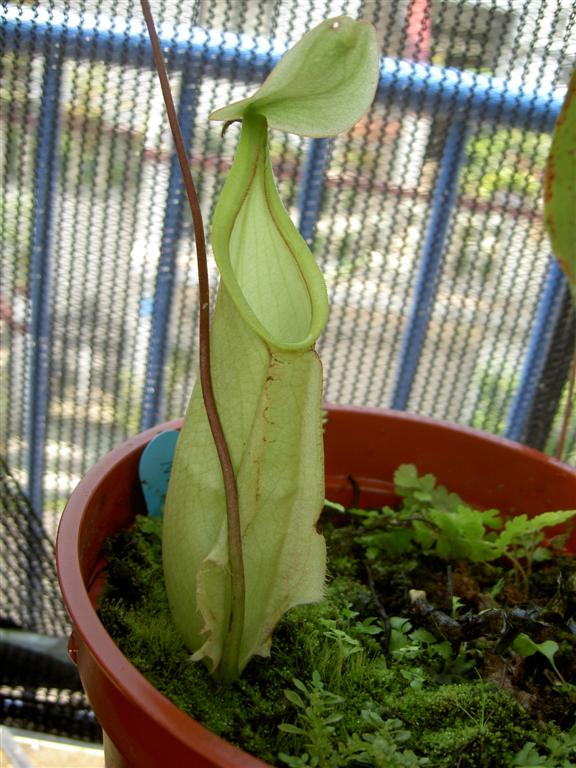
(154, 470)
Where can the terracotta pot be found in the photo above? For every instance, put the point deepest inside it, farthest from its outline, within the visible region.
(145, 730)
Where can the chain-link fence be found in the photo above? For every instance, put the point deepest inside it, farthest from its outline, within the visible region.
(426, 217)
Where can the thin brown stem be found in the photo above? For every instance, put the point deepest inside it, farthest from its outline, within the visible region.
(229, 666)
(567, 409)
(380, 608)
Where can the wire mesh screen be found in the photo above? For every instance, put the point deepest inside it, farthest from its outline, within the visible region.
(40, 688)
(425, 218)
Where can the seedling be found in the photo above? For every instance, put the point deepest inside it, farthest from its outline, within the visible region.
(320, 712)
(525, 646)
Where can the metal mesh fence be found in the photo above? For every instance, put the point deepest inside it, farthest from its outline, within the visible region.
(40, 688)
(425, 218)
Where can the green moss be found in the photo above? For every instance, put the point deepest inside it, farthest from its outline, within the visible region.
(466, 724)
(348, 703)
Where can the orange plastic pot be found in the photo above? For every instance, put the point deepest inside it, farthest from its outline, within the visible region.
(145, 730)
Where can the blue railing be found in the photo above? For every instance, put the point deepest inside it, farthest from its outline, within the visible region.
(464, 96)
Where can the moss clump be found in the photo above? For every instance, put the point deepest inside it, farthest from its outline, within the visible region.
(337, 691)
(465, 724)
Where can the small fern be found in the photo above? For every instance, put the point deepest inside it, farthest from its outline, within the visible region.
(440, 523)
